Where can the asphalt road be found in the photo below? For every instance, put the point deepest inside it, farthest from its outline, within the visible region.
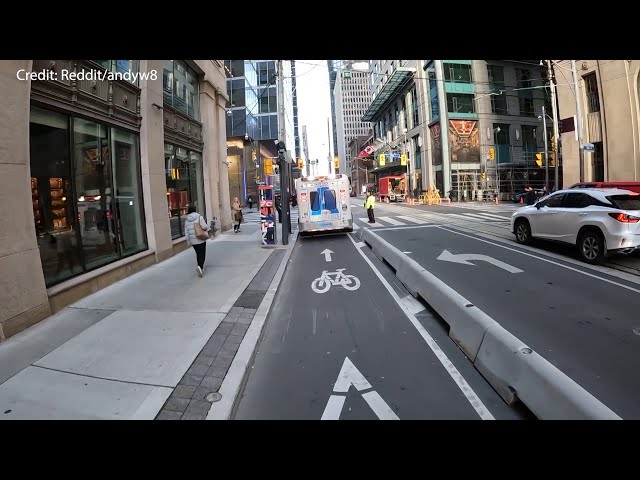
(355, 354)
(586, 323)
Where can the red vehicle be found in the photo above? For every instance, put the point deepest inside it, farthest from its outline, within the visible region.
(632, 186)
(391, 189)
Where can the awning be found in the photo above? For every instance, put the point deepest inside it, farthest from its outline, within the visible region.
(398, 80)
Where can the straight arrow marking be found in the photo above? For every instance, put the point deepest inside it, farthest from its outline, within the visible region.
(327, 254)
(350, 375)
(379, 406)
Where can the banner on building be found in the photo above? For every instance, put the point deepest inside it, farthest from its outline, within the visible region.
(436, 144)
(464, 141)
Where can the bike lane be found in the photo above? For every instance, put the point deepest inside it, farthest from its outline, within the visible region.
(350, 353)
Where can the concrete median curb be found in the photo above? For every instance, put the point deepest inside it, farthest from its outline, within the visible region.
(508, 364)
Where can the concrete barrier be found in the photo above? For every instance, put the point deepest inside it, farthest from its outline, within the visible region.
(508, 364)
(515, 369)
(467, 323)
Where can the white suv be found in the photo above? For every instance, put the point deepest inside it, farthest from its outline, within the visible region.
(597, 220)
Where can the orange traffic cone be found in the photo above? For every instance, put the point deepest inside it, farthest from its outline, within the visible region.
(521, 200)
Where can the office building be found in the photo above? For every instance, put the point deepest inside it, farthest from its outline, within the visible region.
(109, 166)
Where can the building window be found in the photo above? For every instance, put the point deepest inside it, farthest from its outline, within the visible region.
(125, 69)
(86, 194)
(526, 107)
(417, 154)
(591, 87)
(458, 73)
(524, 78)
(414, 108)
(460, 103)
(502, 140)
(180, 88)
(598, 162)
(496, 75)
(433, 92)
(185, 185)
(499, 104)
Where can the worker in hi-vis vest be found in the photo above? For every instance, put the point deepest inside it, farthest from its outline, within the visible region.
(369, 204)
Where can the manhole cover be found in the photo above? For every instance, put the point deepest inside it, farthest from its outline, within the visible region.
(526, 350)
(213, 397)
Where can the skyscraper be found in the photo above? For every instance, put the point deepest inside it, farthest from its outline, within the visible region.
(351, 96)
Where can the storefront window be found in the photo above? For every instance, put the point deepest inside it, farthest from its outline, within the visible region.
(80, 224)
(185, 185)
(94, 192)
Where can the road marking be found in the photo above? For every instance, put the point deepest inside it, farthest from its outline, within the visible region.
(379, 406)
(413, 305)
(409, 227)
(327, 254)
(464, 258)
(407, 253)
(545, 260)
(360, 244)
(457, 377)
(412, 219)
(323, 283)
(478, 215)
(334, 407)
(491, 215)
(366, 220)
(350, 375)
(392, 221)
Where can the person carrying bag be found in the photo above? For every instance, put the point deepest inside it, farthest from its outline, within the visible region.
(196, 232)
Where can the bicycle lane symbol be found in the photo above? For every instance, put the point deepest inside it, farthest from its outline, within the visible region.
(328, 279)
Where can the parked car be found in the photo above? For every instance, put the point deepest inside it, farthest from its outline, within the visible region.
(515, 197)
(632, 186)
(598, 221)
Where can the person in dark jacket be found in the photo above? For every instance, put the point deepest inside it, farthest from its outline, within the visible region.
(530, 198)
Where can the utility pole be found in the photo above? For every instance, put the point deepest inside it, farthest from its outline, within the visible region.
(546, 152)
(556, 129)
(578, 119)
(332, 170)
(282, 159)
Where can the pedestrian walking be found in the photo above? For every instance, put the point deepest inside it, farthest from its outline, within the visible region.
(195, 231)
(369, 204)
(250, 202)
(236, 214)
(531, 196)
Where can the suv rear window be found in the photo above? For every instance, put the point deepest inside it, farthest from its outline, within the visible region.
(625, 202)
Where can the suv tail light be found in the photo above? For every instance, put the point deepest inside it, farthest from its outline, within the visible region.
(624, 218)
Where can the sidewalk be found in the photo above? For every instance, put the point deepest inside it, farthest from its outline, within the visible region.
(157, 344)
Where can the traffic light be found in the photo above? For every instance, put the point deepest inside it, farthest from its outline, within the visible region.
(254, 155)
(268, 166)
(484, 175)
(539, 159)
(381, 159)
(403, 160)
(336, 163)
(300, 163)
(492, 154)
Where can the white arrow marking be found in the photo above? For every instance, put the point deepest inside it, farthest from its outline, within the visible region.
(334, 408)
(464, 258)
(350, 375)
(327, 254)
(407, 253)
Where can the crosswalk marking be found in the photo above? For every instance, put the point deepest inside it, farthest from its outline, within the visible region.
(390, 220)
(492, 216)
(412, 219)
(479, 215)
(366, 220)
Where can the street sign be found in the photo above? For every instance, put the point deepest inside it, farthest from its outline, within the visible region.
(588, 147)
(464, 258)
(350, 375)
